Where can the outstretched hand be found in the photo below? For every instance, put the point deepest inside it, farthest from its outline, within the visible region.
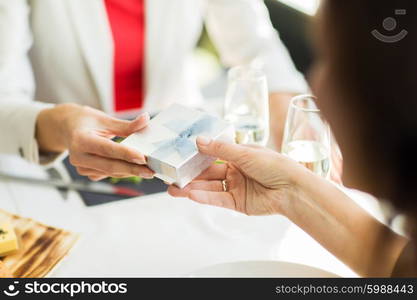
(87, 133)
(259, 181)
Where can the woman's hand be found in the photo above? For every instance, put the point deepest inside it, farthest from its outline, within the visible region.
(262, 182)
(259, 181)
(87, 133)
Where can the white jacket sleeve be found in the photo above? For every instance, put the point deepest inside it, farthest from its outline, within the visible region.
(17, 128)
(18, 111)
(242, 32)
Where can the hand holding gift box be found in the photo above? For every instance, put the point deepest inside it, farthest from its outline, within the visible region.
(168, 142)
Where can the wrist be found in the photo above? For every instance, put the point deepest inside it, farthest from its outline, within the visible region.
(53, 127)
(299, 192)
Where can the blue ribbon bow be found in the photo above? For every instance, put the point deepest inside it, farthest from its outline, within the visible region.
(182, 143)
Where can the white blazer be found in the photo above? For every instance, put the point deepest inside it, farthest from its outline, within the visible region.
(60, 51)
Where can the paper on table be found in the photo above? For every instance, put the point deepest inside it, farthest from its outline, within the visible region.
(42, 247)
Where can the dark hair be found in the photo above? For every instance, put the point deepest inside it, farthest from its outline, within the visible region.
(377, 81)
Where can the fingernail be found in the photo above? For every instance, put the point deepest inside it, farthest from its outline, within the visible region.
(139, 161)
(144, 116)
(203, 140)
(147, 175)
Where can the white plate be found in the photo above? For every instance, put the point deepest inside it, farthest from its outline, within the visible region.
(260, 269)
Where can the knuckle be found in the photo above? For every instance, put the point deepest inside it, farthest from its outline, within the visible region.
(102, 149)
(80, 171)
(73, 160)
(120, 151)
(134, 170)
(76, 137)
(126, 154)
(77, 140)
(244, 155)
(218, 147)
(113, 150)
(111, 168)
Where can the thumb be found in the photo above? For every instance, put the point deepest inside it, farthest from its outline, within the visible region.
(222, 150)
(124, 128)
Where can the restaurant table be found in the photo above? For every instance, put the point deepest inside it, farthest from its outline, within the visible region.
(158, 235)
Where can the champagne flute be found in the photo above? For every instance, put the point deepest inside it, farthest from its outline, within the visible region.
(307, 135)
(247, 106)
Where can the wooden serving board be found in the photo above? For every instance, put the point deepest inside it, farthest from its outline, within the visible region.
(41, 247)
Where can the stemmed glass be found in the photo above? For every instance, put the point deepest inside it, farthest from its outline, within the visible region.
(247, 106)
(307, 138)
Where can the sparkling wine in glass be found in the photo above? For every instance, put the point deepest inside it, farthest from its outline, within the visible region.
(307, 135)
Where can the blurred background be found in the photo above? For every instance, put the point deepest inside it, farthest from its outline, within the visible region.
(292, 17)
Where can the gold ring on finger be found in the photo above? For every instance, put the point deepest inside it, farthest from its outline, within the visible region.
(224, 185)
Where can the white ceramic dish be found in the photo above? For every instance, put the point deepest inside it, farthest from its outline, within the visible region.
(273, 269)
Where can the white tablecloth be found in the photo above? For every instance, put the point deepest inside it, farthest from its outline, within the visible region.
(158, 235)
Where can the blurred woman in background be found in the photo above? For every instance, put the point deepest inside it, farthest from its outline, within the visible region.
(366, 90)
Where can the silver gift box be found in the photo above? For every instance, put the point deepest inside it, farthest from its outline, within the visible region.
(168, 142)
